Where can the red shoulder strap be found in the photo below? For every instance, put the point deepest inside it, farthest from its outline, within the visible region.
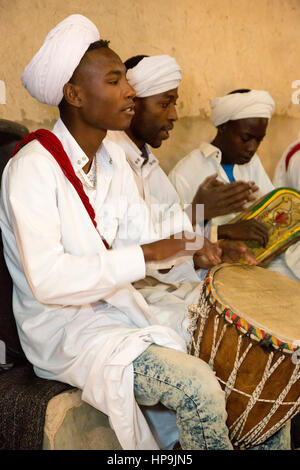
(290, 154)
(54, 146)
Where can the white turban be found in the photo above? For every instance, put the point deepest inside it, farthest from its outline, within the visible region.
(154, 75)
(255, 103)
(53, 65)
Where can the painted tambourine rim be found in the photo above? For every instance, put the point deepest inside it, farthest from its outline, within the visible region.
(243, 325)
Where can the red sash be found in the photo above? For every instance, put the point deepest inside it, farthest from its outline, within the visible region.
(51, 143)
(290, 154)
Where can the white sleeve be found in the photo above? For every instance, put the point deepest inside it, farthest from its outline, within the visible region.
(182, 187)
(261, 179)
(54, 275)
(293, 173)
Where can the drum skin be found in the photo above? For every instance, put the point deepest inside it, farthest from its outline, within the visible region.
(250, 374)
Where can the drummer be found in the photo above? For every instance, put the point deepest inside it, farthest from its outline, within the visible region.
(156, 80)
(92, 329)
(241, 119)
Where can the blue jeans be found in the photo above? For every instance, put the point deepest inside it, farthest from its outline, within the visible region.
(188, 386)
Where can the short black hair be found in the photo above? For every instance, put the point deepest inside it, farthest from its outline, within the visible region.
(133, 61)
(241, 90)
(98, 44)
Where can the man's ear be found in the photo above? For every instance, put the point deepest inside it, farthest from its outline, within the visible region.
(72, 94)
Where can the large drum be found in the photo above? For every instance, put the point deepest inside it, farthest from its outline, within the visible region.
(247, 328)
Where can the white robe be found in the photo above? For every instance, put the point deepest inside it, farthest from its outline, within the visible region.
(204, 161)
(168, 304)
(79, 319)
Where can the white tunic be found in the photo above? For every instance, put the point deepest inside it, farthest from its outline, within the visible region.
(79, 319)
(289, 178)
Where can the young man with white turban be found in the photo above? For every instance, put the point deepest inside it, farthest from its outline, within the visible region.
(79, 319)
(241, 119)
(156, 80)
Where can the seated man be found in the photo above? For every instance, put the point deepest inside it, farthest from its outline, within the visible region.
(241, 119)
(62, 209)
(156, 80)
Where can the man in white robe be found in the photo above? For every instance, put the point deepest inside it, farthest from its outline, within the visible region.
(79, 319)
(156, 80)
(241, 119)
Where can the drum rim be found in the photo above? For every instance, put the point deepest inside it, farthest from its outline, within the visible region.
(243, 324)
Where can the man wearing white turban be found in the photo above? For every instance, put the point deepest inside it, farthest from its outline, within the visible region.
(241, 118)
(66, 198)
(156, 80)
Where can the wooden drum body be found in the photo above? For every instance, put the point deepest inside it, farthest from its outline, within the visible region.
(247, 328)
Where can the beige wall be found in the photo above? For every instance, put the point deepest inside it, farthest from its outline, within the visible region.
(221, 45)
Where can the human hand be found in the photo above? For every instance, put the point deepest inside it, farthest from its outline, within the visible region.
(177, 245)
(235, 251)
(209, 255)
(245, 230)
(220, 199)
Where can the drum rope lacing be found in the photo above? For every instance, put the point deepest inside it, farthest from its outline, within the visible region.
(254, 398)
(254, 435)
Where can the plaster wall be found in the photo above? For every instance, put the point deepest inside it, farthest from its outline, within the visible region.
(220, 44)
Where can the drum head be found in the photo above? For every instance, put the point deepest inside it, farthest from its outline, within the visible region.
(266, 299)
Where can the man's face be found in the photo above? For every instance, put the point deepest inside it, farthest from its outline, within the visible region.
(106, 96)
(154, 118)
(241, 139)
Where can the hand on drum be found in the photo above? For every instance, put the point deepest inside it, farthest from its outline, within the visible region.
(245, 230)
(220, 198)
(208, 256)
(236, 251)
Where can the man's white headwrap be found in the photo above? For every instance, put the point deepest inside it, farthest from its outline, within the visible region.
(255, 103)
(53, 65)
(154, 75)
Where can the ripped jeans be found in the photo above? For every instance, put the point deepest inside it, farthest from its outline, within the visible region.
(188, 386)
